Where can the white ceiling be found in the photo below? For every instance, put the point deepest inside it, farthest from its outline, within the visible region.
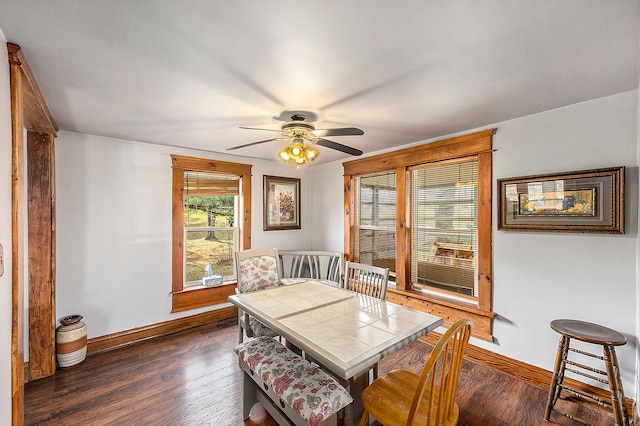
(189, 73)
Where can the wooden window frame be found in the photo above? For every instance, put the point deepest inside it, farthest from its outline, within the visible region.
(478, 144)
(199, 296)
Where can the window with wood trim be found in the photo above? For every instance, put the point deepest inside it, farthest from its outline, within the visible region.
(425, 212)
(211, 221)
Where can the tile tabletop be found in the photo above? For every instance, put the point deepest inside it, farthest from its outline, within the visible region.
(345, 331)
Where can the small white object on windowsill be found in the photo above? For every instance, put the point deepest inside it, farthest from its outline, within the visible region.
(211, 279)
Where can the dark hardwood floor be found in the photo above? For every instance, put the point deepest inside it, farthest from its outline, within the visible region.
(193, 378)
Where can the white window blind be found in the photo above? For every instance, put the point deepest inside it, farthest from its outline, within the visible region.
(375, 236)
(444, 227)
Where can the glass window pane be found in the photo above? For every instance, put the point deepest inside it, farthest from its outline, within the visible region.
(210, 201)
(209, 247)
(444, 214)
(375, 236)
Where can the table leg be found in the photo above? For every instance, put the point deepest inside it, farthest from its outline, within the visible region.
(356, 385)
(293, 348)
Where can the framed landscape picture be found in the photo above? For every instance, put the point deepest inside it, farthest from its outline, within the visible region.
(281, 203)
(581, 201)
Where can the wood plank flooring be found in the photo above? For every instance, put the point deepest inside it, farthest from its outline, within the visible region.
(192, 378)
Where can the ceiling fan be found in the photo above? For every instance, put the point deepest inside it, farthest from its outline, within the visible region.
(298, 130)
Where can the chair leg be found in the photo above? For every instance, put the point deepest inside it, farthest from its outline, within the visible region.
(364, 420)
(615, 384)
(558, 375)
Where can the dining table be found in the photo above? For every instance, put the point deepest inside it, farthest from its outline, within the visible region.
(345, 332)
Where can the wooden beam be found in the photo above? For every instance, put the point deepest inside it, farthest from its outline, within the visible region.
(17, 241)
(40, 270)
(36, 112)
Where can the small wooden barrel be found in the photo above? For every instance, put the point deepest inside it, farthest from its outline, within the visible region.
(71, 341)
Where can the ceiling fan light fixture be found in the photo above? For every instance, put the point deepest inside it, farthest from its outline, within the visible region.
(298, 152)
(299, 131)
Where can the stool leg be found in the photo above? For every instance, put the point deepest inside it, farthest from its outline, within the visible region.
(558, 375)
(615, 384)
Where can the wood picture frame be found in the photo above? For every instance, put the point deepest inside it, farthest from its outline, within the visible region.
(588, 201)
(281, 203)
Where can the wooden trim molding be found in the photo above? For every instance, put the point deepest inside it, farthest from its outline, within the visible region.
(17, 236)
(449, 312)
(535, 376)
(201, 296)
(36, 112)
(475, 146)
(128, 337)
(446, 149)
(191, 298)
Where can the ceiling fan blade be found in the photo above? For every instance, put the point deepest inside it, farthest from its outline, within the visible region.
(250, 144)
(338, 146)
(345, 131)
(255, 128)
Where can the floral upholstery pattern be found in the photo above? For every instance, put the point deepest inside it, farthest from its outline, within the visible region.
(257, 273)
(311, 392)
(259, 329)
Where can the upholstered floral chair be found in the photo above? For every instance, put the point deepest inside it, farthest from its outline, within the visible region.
(257, 269)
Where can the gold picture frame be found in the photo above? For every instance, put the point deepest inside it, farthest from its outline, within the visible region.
(580, 201)
(281, 203)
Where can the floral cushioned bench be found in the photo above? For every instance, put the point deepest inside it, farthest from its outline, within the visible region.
(302, 391)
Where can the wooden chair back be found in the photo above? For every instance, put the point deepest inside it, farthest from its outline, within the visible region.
(440, 375)
(366, 279)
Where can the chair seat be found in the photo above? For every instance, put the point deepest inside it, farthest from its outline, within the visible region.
(399, 386)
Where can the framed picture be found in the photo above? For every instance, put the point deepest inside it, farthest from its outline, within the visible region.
(582, 201)
(281, 203)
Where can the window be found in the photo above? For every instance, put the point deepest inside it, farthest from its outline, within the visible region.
(444, 227)
(211, 204)
(211, 220)
(425, 212)
(375, 231)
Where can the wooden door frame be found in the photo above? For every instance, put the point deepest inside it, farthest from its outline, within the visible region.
(28, 111)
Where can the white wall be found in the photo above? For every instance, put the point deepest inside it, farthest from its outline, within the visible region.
(638, 273)
(113, 243)
(327, 207)
(5, 236)
(538, 277)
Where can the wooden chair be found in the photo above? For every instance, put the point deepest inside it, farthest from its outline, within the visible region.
(325, 266)
(256, 269)
(369, 280)
(404, 398)
(366, 279)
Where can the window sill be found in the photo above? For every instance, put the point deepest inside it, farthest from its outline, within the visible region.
(449, 309)
(201, 296)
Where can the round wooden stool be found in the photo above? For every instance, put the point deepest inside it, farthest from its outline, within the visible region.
(597, 335)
